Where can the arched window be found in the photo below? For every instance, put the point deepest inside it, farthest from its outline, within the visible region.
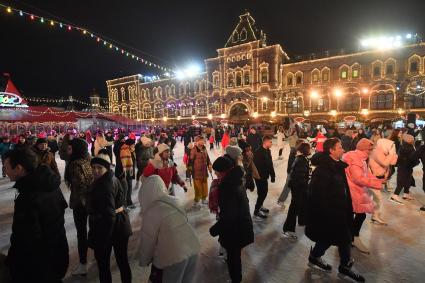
(196, 87)
(390, 67)
(147, 111)
(122, 94)
(343, 72)
(114, 92)
(289, 79)
(382, 100)
(160, 92)
(349, 102)
(414, 64)
(320, 104)
(148, 94)
(173, 90)
(264, 75)
(377, 69)
(298, 78)
(243, 34)
(167, 91)
(181, 89)
(315, 76)
(326, 74)
(230, 80)
(155, 93)
(187, 89)
(247, 79)
(133, 112)
(238, 79)
(295, 105)
(355, 71)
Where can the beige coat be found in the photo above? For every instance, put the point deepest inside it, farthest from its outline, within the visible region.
(166, 236)
(382, 157)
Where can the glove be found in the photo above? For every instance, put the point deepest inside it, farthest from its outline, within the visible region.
(273, 179)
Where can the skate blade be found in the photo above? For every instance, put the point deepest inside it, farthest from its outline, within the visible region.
(346, 278)
(318, 269)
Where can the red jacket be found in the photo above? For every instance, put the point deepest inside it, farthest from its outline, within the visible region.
(319, 139)
(167, 173)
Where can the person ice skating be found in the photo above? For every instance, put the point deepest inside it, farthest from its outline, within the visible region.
(360, 180)
(263, 162)
(108, 221)
(38, 246)
(407, 159)
(167, 240)
(201, 164)
(144, 152)
(298, 182)
(280, 136)
(164, 167)
(234, 225)
(79, 177)
(329, 218)
(254, 139)
(381, 159)
(251, 171)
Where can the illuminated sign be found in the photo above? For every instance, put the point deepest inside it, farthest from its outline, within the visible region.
(8, 99)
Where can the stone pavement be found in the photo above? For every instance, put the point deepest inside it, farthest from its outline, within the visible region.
(397, 250)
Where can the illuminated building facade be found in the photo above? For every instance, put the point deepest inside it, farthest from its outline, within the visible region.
(252, 80)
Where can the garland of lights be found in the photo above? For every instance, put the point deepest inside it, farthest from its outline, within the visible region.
(85, 32)
(54, 100)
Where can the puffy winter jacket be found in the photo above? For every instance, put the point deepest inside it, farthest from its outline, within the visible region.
(360, 180)
(382, 157)
(166, 237)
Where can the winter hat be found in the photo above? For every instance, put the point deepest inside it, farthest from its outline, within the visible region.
(132, 136)
(162, 147)
(222, 164)
(146, 141)
(233, 151)
(408, 138)
(130, 142)
(102, 159)
(243, 144)
(41, 140)
(233, 141)
(364, 144)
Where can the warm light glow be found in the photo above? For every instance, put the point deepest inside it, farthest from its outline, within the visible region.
(306, 113)
(52, 23)
(265, 98)
(165, 119)
(210, 116)
(255, 114)
(365, 90)
(273, 113)
(333, 112)
(9, 10)
(222, 116)
(400, 111)
(179, 118)
(152, 119)
(365, 111)
(314, 94)
(193, 117)
(338, 92)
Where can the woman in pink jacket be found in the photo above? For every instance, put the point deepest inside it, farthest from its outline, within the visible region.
(359, 181)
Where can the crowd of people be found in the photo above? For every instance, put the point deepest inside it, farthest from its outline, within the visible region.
(334, 178)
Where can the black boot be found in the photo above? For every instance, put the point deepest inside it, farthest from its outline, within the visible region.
(345, 270)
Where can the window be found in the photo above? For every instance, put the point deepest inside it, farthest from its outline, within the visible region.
(295, 105)
(382, 101)
(299, 80)
(264, 105)
(238, 79)
(320, 104)
(325, 76)
(377, 71)
(417, 101)
(230, 82)
(390, 70)
(350, 102)
(343, 74)
(355, 73)
(215, 81)
(315, 78)
(264, 76)
(246, 78)
(243, 34)
(414, 67)
(289, 81)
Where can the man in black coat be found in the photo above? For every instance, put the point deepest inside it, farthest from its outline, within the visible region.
(234, 226)
(263, 162)
(254, 139)
(39, 248)
(330, 210)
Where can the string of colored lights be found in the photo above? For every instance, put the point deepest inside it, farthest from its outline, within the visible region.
(56, 100)
(85, 32)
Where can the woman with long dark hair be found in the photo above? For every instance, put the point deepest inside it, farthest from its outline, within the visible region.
(79, 177)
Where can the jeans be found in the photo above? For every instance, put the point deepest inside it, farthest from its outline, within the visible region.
(359, 218)
(129, 181)
(80, 220)
(285, 191)
(343, 250)
(262, 190)
(295, 209)
(103, 258)
(234, 264)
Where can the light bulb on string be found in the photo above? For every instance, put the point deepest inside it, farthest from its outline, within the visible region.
(32, 17)
(21, 13)
(69, 28)
(60, 25)
(52, 23)
(9, 10)
(42, 20)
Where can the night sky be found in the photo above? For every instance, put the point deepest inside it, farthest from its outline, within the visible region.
(50, 62)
